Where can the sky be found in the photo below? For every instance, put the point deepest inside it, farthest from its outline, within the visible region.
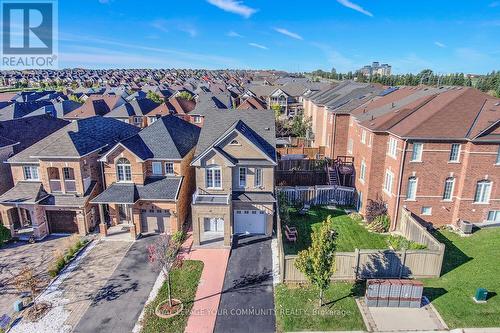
(443, 35)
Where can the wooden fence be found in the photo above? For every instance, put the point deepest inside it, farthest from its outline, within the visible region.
(363, 264)
(318, 195)
(309, 152)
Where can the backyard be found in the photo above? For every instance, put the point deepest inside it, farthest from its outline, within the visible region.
(297, 308)
(184, 280)
(469, 263)
(351, 234)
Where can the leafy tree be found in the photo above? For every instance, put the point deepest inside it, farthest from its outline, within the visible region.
(300, 126)
(317, 262)
(75, 98)
(154, 97)
(4, 234)
(185, 95)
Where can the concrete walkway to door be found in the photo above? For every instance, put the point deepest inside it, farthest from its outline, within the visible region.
(206, 303)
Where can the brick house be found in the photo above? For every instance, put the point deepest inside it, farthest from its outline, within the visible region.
(148, 178)
(434, 151)
(234, 161)
(56, 177)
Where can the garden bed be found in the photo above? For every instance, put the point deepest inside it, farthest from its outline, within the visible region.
(184, 283)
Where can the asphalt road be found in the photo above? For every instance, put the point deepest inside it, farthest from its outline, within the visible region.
(247, 300)
(117, 306)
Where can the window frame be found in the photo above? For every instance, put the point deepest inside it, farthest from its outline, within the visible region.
(242, 182)
(159, 167)
(419, 152)
(457, 157)
(496, 216)
(497, 161)
(483, 191)
(362, 171)
(391, 177)
(121, 171)
(422, 212)
(258, 177)
(363, 136)
(28, 172)
(449, 180)
(210, 177)
(412, 196)
(350, 146)
(166, 167)
(392, 147)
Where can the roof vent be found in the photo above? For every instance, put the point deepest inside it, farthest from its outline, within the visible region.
(373, 117)
(392, 105)
(267, 128)
(497, 104)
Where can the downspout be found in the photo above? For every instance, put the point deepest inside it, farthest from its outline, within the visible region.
(401, 168)
(334, 131)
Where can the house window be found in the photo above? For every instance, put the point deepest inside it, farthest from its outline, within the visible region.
(389, 178)
(449, 184)
(493, 216)
(483, 191)
(123, 170)
(370, 141)
(411, 193)
(455, 152)
(234, 143)
(213, 177)
(426, 210)
(138, 121)
(69, 174)
(363, 136)
(392, 147)
(258, 177)
(498, 156)
(197, 119)
(31, 172)
(169, 168)
(243, 177)
(349, 146)
(362, 172)
(416, 155)
(153, 119)
(156, 168)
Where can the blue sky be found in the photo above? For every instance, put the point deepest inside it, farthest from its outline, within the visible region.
(444, 35)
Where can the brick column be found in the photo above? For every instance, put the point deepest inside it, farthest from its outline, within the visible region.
(103, 228)
(80, 221)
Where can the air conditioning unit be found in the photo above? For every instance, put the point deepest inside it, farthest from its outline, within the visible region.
(465, 227)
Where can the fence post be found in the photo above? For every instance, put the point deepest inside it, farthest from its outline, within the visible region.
(357, 255)
(315, 195)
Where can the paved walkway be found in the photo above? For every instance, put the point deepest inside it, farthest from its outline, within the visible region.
(247, 302)
(117, 306)
(204, 311)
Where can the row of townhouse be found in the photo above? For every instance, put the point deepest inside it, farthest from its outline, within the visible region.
(435, 151)
(97, 173)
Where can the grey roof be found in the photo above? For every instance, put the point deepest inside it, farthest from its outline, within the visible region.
(70, 200)
(21, 109)
(155, 188)
(167, 138)
(253, 197)
(24, 192)
(29, 130)
(136, 107)
(78, 138)
(257, 125)
(57, 109)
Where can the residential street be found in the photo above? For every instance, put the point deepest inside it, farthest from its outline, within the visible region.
(247, 302)
(117, 306)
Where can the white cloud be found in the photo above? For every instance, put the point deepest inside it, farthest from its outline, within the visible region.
(233, 34)
(258, 46)
(234, 6)
(439, 44)
(336, 59)
(288, 33)
(166, 25)
(358, 8)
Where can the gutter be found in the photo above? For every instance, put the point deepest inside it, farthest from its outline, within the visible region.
(401, 168)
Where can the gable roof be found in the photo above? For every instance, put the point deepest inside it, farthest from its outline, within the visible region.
(258, 126)
(136, 107)
(77, 139)
(167, 138)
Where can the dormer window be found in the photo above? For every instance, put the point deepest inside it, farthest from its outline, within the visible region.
(31, 172)
(234, 143)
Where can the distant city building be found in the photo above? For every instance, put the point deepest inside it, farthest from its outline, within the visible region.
(376, 68)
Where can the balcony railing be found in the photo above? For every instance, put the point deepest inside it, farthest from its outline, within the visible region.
(70, 185)
(55, 185)
(216, 199)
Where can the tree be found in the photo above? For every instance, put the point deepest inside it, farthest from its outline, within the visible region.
(75, 98)
(300, 126)
(163, 256)
(154, 97)
(185, 95)
(27, 281)
(317, 262)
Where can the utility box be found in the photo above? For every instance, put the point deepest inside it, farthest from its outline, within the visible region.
(481, 295)
(466, 227)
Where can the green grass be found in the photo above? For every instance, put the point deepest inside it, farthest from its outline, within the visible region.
(352, 235)
(297, 308)
(469, 263)
(185, 280)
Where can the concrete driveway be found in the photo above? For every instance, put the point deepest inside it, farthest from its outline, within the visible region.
(15, 256)
(247, 301)
(118, 304)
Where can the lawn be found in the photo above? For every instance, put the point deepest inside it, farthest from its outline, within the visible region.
(185, 281)
(351, 234)
(297, 308)
(469, 263)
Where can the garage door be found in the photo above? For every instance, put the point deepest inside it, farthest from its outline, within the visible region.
(249, 222)
(155, 220)
(62, 221)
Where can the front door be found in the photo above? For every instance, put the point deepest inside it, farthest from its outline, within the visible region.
(122, 214)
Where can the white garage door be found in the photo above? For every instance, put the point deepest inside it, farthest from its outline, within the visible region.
(249, 222)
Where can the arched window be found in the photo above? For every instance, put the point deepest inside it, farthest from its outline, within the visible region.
(449, 183)
(123, 171)
(234, 143)
(483, 191)
(411, 193)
